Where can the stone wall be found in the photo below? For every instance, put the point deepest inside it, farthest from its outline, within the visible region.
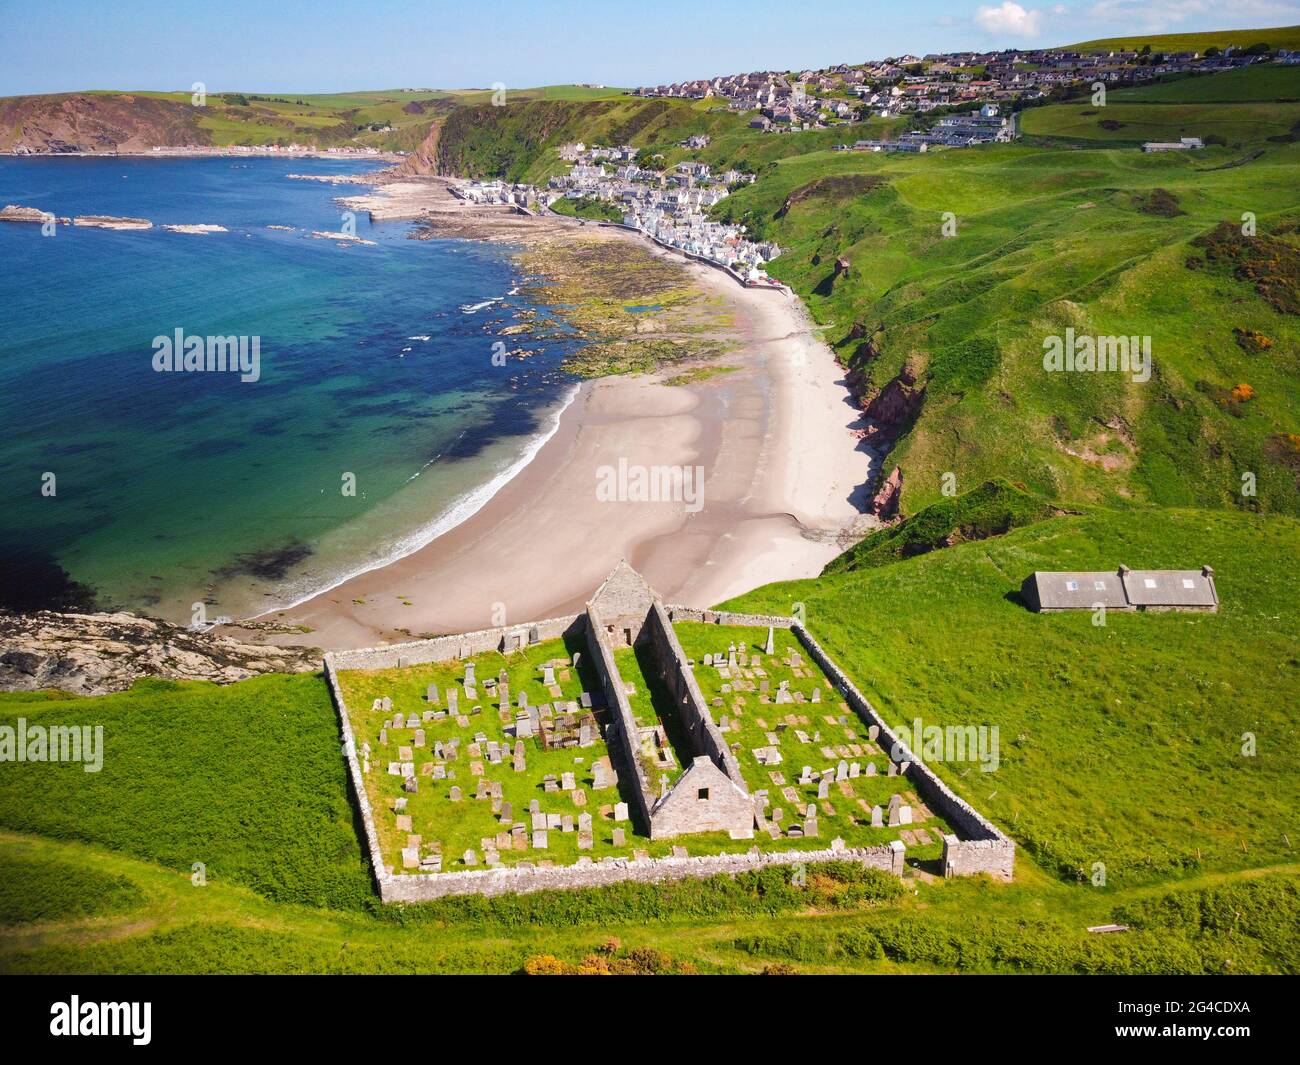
(696, 718)
(463, 645)
(969, 857)
(727, 617)
(998, 856)
(622, 725)
(425, 887)
(704, 799)
(356, 781)
(980, 846)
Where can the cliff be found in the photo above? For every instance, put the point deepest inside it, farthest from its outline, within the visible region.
(86, 122)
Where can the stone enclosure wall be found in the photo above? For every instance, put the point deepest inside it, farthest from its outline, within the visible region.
(622, 725)
(463, 645)
(586, 873)
(979, 846)
(982, 847)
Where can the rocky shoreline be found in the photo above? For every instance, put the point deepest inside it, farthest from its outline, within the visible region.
(93, 654)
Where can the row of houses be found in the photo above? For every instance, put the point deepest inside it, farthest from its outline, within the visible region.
(905, 84)
(671, 208)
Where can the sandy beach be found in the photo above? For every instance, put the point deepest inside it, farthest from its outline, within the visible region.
(777, 439)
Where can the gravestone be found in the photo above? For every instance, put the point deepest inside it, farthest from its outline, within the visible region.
(454, 794)
(431, 693)
(470, 858)
(769, 648)
(877, 817)
(620, 811)
(539, 839)
(620, 837)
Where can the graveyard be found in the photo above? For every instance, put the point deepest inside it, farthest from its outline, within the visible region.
(515, 757)
(800, 745)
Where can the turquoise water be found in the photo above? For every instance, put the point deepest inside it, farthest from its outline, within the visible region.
(176, 488)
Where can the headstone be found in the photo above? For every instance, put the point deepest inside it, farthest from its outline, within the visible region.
(567, 782)
(454, 794)
(769, 648)
(620, 811)
(539, 839)
(877, 817)
(470, 858)
(431, 693)
(620, 837)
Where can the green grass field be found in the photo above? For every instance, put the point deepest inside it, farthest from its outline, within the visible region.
(1120, 745)
(1274, 37)
(1102, 242)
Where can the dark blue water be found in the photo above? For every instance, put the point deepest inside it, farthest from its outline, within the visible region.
(175, 488)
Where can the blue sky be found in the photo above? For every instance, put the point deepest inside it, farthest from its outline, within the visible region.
(330, 45)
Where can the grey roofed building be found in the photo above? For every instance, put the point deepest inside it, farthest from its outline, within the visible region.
(1122, 589)
(1170, 589)
(1044, 590)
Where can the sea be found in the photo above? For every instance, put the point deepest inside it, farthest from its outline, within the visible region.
(379, 417)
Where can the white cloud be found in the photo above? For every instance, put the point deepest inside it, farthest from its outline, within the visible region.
(1009, 19)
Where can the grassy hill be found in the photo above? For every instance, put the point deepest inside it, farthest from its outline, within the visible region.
(1276, 37)
(395, 119)
(1119, 745)
(944, 336)
(992, 509)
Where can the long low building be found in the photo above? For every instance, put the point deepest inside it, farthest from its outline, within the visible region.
(1122, 589)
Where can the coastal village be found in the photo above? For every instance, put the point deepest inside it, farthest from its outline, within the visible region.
(670, 208)
(816, 99)
(966, 98)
